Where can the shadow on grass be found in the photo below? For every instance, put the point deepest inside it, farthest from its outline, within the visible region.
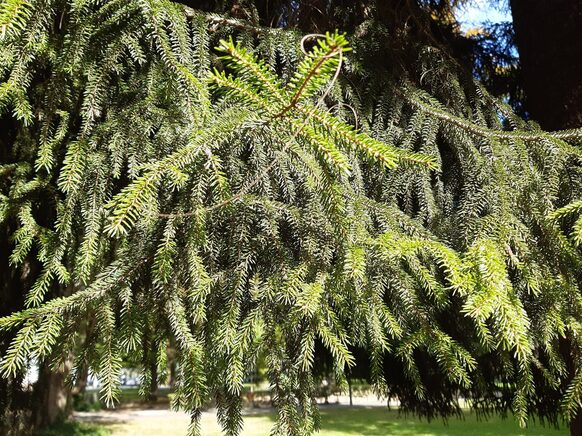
(335, 421)
(361, 420)
(72, 428)
(379, 421)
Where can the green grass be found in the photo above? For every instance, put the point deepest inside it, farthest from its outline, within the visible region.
(76, 429)
(378, 421)
(336, 421)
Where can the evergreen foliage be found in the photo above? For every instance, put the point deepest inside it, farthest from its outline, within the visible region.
(190, 180)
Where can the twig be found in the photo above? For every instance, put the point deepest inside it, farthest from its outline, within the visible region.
(245, 189)
(218, 20)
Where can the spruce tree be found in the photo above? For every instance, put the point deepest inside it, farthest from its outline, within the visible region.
(190, 179)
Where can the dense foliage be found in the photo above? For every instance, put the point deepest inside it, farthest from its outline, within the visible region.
(189, 180)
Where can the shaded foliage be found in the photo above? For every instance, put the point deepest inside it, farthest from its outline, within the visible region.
(194, 180)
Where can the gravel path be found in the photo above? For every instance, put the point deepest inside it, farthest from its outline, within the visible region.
(133, 414)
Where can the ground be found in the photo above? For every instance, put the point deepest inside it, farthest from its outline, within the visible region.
(336, 420)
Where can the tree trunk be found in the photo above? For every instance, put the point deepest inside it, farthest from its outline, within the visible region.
(153, 387)
(576, 425)
(15, 401)
(567, 349)
(548, 38)
(52, 401)
(78, 391)
(23, 410)
(350, 390)
(550, 51)
(172, 381)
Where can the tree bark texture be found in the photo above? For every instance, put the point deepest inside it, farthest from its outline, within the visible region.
(549, 40)
(52, 401)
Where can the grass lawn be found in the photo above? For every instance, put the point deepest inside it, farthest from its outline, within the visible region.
(336, 421)
(77, 429)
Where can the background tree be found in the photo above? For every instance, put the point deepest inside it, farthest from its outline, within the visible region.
(260, 206)
(551, 60)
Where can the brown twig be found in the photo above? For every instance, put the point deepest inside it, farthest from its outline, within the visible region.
(245, 189)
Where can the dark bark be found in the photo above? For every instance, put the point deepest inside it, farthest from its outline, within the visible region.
(576, 425)
(150, 346)
(568, 350)
(350, 391)
(153, 386)
(87, 331)
(15, 401)
(52, 402)
(23, 409)
(548, 37)
(173, 366)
